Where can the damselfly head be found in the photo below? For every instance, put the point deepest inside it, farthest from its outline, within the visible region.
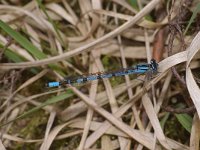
(154, 65)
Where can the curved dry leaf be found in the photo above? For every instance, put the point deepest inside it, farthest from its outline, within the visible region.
(193, 89)
(172, 61)
(191, 84)
(193, 48)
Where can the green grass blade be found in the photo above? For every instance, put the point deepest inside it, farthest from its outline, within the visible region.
(134, 4)
(16, 58)
(52, 100)
(164, 120)
(185, 120)
(49, 18)
(194, 14)
(22, 41)
(13, 56)
(27, 45)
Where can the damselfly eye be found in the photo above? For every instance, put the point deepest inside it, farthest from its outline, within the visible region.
(153, 61)
(154, 65)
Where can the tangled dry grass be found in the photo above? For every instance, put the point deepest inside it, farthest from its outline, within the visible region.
(43, 41)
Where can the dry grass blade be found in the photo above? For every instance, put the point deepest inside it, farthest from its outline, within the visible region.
(119, 113)
(101, 99)
(195, 136)
(44, 145)
(60, 11)
(95, 125)
(106, 142)
(63, 136)
(112, 100)
(52, 136)
(154, 121)
(114, 131)
(27, 99)
(17, 49)
(23, 11)
(143, 23)
(140, 137)
(139, 52)
(77, 40)
(84, 48)
(172, 61)
(90, 112)
(191, 83)
(2, 146)
(125, 144)
(28, 82)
